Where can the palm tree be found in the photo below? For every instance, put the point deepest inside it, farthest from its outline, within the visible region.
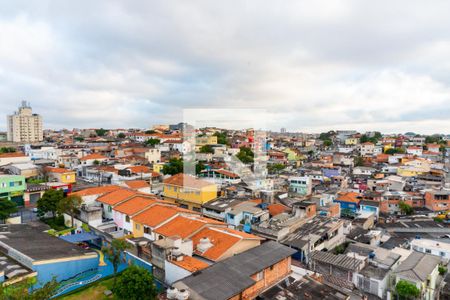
(115, 253)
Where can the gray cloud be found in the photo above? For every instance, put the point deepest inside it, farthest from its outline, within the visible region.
(313, 65)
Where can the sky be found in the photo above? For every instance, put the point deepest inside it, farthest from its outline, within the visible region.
(311, 66)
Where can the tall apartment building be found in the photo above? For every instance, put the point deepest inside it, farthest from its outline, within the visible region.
(24, 126)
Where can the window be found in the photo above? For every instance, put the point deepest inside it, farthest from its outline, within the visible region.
(138, 227)
(109, 208)
(260, 276)
(127, 219)
(427, 251)
(147, 230)
(196, 209)
(442, 254)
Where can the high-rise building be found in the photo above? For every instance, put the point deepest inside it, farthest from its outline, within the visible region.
(24, 126)
(283, 130)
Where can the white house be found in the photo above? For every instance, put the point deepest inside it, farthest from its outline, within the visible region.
(413, 150)
(439, 248)
(153, 155)
(366, 149)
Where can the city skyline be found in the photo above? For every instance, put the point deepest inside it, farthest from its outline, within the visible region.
(379, 66)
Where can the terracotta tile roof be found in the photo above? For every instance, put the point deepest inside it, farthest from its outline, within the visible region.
(348, 197)
(116, 196)
(137, 184)
(222, 239)
(93, 156)
(184, 227)
(97, 190)
(276, 209)
(227, 173)
(58, 170)
(181, 179)
(257, 201)
(13, 154)
(139, 169)
(134, 205)
(190, 264)
(173, 142)
(155, 215)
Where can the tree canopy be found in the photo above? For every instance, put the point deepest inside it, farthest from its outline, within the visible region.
(221, 138)
(135, 283)
(7, 207)
(245, 155)
(115, 253)
(49, 202)
(7, 149)
(153, 142)
(22, 290)
(405, 208)
(206, 149)
(101, 132)
(174, 166)
(407, 290)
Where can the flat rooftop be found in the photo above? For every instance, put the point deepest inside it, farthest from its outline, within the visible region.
(36, 244)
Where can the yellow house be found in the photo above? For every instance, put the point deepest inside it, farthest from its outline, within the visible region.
(61, 175)
(291, 154)
(351, 141)
(157, 167)
(206, 140)
(189, 191)
(387, 147)
(408, 171)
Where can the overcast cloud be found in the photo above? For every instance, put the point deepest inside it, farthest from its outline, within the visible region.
(313, 65)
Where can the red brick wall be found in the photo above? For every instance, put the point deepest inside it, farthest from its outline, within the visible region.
(270, 276)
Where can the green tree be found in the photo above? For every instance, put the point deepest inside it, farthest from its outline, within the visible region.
(96, 162)
(245, 155)
(150, 132)
(275, 168)
(115, 253)
(7, 149)
(394, 150)
(199, 167)
(7, 207)
(432, 139)
(442, 270)
(358, 161)
(405, 208)
(174, 166)
(49, 202)
(70, 205)
(79, 138)
(121, 135)
(101, 132)
(327, 143)
(206, 149)
(23, 290)
(135, 283)
(153, 142)
(407, 290)
(221, 138)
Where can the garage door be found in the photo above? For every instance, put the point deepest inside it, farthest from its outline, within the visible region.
(34, 198)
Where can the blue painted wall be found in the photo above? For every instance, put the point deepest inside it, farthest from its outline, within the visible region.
(64, 270)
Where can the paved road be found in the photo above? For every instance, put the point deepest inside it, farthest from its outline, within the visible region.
(27, 215)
